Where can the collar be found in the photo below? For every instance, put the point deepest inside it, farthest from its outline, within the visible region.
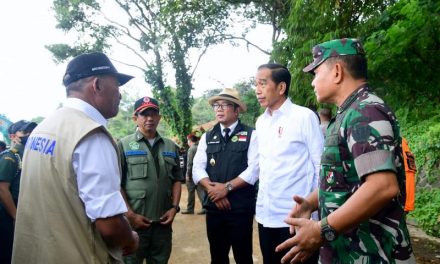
(86, 108)
(140, 136)
(284, 108)
(232, 127)
(353, 96)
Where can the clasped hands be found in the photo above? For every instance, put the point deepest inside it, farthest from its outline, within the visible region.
(307, 233)
(217, 193)
(138, 221)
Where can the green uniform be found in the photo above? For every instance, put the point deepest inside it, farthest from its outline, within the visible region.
(10, 170)
(362, 139)
(148, 174)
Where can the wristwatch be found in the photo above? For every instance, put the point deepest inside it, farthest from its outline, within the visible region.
(177, 207)
(328, 233)
(228, 186)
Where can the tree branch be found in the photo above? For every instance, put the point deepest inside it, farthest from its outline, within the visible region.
(248, 43)
(198, 61)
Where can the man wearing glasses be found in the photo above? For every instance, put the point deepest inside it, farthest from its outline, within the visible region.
(226, 165)
(151, 183)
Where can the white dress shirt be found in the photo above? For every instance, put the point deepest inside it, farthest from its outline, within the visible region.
(290, 144)
(95, 163)
(249, 175)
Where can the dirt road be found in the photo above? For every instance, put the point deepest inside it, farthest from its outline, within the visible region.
(190, 244)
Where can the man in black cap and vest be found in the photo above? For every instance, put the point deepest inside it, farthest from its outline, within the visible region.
(71, 209)
(10, 171)
(226, 165)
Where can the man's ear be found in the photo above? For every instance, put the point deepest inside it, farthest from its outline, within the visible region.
(96, 84)
(283, 87)
(338, 72)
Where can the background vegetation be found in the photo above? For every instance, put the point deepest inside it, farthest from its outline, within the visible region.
(402, 40)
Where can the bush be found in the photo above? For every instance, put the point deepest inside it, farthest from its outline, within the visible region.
(427, 211)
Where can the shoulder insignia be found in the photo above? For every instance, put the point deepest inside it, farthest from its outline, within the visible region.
(9, 158)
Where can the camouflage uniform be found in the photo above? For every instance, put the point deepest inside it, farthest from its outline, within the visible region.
(363, 138)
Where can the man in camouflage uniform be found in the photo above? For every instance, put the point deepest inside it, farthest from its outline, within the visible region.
(151, 183)
(362, 186)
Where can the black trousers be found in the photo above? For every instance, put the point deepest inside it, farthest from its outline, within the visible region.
(270, 238)
(6, 236)
(226, 230)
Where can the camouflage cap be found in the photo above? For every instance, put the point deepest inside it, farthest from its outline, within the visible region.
(333, 48)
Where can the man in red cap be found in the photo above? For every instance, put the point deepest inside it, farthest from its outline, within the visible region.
(151, 183)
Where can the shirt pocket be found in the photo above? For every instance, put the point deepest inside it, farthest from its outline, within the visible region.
(137, 167)
(170, 163)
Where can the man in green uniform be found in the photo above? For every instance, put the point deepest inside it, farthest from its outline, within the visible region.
(10, 171)
(362, 186)
(151, 182)
(193, 143)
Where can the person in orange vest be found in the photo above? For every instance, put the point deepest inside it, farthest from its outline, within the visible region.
(410, 175)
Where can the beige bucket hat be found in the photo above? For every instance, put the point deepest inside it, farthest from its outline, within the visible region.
(229, 94)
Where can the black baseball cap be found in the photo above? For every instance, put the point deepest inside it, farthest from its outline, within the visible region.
(91, 64)
(22, 125)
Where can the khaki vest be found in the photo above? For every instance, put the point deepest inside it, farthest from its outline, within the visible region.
(52, 226)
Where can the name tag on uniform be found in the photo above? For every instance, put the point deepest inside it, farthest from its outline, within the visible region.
(169, 154)
(135, 153)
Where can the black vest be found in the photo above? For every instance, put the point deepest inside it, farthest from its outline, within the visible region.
(225, 161)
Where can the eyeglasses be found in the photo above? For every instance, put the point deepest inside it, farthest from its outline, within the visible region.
(221, 106)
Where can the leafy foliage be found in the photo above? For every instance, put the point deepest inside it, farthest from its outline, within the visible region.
(157, 33)
(247, 93)
(122, 124)
(312, 22)
(427, 211)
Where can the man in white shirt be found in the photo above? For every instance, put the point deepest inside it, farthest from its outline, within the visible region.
(226, 166)
(71, 209)
(290, 144)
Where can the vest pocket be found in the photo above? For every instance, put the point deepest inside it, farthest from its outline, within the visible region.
(239, 146)
(136, 199)
(137, 167)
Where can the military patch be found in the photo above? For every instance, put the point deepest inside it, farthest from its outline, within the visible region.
(234, 139)
(242, 133)
(242, 138)
(133, 145)
(330, 178)
(214, 142)
(9, 158)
